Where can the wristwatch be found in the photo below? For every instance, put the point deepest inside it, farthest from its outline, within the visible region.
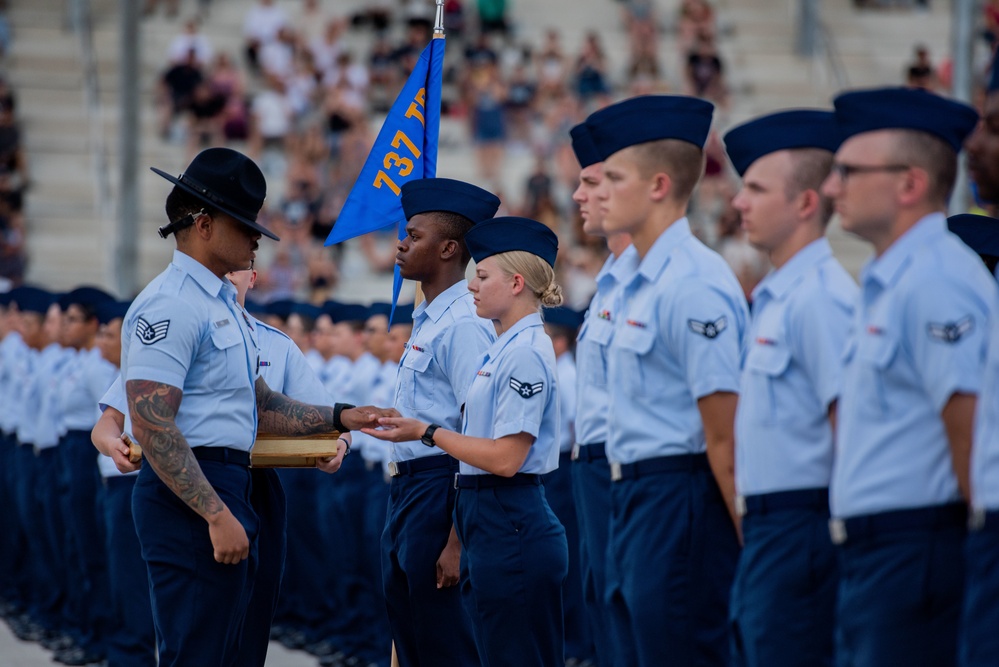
(428, 435)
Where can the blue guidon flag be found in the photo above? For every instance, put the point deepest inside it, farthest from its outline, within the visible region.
(405, 150)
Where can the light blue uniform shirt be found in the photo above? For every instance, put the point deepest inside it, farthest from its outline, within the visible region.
(515, 391)
(333, 374)
(12, 354)
(440, 361)
(43, 409)
(382, 392)
(115, 398)
(985, 452)
(285, 369)
(678, 339)
(565, 371)
(919, 336)
(186, 330)
(40, 367)
(85, 379)
(792, 373)
(593, 397)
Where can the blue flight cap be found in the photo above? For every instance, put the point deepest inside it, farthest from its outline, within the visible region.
(583, 146)
(403, 313)
(380, 308)
(649, 118)
(799, 128)
(512, 233)
(333, 309)
(88, 297)
(107, 311)
(979, 232)
(255, 308)
(352, 312)
(5, 299)
(32, 299)
(424, 195)
(281, 308)
(561, 316)
(904, 109)
(307, 310)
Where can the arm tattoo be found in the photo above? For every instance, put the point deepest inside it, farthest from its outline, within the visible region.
(280, 415)
(153, 407)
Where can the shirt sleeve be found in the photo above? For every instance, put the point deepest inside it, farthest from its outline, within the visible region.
(114, 397)
(460, 352)
(300, 381)
(820, 330)
(946, 330)
(164, 337)
(523, 390)
(705, 331)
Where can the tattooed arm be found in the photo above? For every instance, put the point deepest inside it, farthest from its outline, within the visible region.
(280, 415)
(153, 407)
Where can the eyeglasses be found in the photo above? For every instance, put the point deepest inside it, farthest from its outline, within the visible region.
(844, 171)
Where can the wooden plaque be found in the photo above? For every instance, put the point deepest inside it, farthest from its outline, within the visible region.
(277, 451)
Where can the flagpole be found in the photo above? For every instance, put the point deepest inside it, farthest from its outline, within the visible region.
(439, 20)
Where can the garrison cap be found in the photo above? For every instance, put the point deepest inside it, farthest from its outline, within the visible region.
(649, 118)
(798, 128)
(425, 195)
(509, 233)
(583, 146)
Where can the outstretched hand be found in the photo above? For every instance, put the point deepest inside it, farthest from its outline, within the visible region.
(397, 429)
(366, 416)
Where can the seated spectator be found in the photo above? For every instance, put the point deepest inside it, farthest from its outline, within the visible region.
(13, 160)
(13, 260)
(277, 56)
(310, 21)
(696, 22)
(344, 109)
(485, 97)
(271, 118)
(552, 67)
(521, 93)
(191, 39)
(705, 73)
(226, 80)
(323, 274)
(920, 73)
(480, 52)
(285, 275)
(454, 19)
(260, 27)
(176, 88)
(643, 61)
(301, 87)
(591, 69)
(328, 45)
(207, 118)
(492, 16)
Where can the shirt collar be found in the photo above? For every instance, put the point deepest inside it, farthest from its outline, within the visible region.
(436, 308)
(886, 269)
(655, 261)
(532, 320)
(209, 282)
(780, 282)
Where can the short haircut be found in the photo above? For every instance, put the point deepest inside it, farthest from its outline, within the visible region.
(180, 203)
(931, 154)
(453, 227)
(681, 160)
(809, 168)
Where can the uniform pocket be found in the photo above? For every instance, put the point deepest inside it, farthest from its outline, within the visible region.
(635, 344)
(228, 362)
(877, 356)
(767, 364)
(417, 380)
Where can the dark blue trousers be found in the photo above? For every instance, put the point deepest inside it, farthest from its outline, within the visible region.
(59, 572)
(132, 640)
(784, 596)
(900, 597)
(85, 526)
(979, 639)
(671, 561)
(419, 520)
(12, 545)
(298, 606)
(268, 499)
(40, 591)
(377, 644)
(514, 563)
(559, 492)
(199, 605)
(341, 499)
(591, 489)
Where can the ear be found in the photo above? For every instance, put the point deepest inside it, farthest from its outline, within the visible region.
(518, 284)
(808, 204)
(253, 279)
(914, 186)
(203, 226)
(449, 249)
(661, 187)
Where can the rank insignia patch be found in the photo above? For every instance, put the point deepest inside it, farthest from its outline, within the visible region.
(951, 332)
(526, 389)
(151, 333)
(708, 329)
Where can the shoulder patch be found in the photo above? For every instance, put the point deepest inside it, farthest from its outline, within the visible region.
(708, 329)
(951, 332)
(151, 333)
(526, 389)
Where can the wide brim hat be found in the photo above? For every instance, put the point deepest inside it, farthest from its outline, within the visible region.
(227, 180)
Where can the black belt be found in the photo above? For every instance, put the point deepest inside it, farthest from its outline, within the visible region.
(767, 503)
(491, 481)
(661, 464)
(589, 453)
(983, 520)
(414, 466)
(236, 457)
(953, 515)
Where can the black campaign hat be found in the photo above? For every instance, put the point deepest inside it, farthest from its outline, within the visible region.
(227, 180)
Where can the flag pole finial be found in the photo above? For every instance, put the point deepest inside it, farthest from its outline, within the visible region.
(439, 20)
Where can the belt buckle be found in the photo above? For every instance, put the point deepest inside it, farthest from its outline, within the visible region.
(575, 452)
(615, 469)
(393, 469)
(740, 505)
(976, 519)
(837, 531)
(456, 479)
